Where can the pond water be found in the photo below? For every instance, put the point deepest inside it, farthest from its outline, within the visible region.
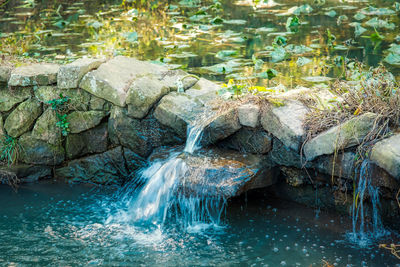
(219, 40)
(47, 223)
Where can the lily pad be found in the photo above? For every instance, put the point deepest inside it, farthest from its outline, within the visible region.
(226, 54)
(317, 79)
(373, 11)
(131, 37)
(331, 13)
(301, 61)
(393, 59)
(378, 23)
(278, 54)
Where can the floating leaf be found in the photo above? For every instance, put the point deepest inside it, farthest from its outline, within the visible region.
(298, 49)
(301, 61)
(341, 18)
(317, 79)
(393, 59)
(292, 24)
(358, 30)
(226, 54)
(378, 23)
(278, 54)
(217, 20)
(131, 36)
(371, 11)
(331, 13)
(304, 9)
(258, 63)
(359, 16)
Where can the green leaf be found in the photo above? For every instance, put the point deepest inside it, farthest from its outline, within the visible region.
(301, 61)
(280, 40)
(131, 37)
(278, 54)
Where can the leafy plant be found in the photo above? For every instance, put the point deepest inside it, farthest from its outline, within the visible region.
(59, 106)
(292, 24)
(9, 149)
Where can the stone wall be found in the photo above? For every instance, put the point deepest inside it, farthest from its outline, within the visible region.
(118, 111)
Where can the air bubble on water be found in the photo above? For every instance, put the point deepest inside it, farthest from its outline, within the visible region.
(275, 232)
(283, 263)
(287, 248)
(284, 235)
(274, 209)
(307, 255)
(298, 230)
(296, 245)
(304, 250)
(266, 236)
(276, 249)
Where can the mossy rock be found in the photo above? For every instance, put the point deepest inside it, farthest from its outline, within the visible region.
(46, 128)
(38, 152)
(10, 98)
(80, 121)
(22, 118)
(78, 98)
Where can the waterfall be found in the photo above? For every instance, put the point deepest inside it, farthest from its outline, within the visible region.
(158, 195)
(365, 231)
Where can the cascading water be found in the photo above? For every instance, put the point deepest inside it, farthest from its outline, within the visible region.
(365, 232)
(162, 193)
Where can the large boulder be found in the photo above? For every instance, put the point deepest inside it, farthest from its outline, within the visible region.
(34, 74)
(386, 154)
(22, 118)
(38, 152)
(108, 168)
(78, 99)
(80, 121)
(285, 156)
(5, 73)
(178, 111)
(70, 75)
(111, 81)
(223, 173)
(9, 98)
(88, 142)
(25, 173)
(46, 128)
(177, 78)
(255, 141)
(143, 93)
(286, 123)
(141, 136)
(345, 135)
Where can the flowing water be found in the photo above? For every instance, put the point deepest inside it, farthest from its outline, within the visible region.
(366, 232)
(50, 224)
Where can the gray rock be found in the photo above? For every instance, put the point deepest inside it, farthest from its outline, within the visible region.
(141, 136)
(97, 103)
(70, 75)
(221, 125)
(255, 141)
(9, 98)
(345, 135)
(294, 177)
(143, 93)
(107, 168)
(22, 118)
(282, 155)
(1, 127)
(343, 166)
(5, 73)
(80, 121)
(172, 78)
(112, 79)
(46, 128)
(286, 123)
(78, 98)
(26, 173)
(35, 74)
(38, 152)
(177, 111)
(386, 154)
(249, 115)
(204, 91)
(224, 173)
(88, 142)
(133, 161)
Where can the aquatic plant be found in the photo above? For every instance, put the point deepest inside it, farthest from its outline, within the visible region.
(59, 106)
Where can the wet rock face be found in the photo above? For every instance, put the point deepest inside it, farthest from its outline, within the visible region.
(10, 98)
(38, 152)
(223, 173)
(109, 168)
(248, 140)
(25, 173)
(141, 136)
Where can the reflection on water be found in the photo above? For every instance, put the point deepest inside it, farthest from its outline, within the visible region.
(47, 224)
(194, 36)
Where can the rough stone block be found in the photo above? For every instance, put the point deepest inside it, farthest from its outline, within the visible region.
(35, 74)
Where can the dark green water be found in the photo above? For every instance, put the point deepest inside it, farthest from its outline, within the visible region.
(50, 224)
(192, 35)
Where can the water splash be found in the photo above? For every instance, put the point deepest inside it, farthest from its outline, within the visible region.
(158, 194)
(365, 232)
